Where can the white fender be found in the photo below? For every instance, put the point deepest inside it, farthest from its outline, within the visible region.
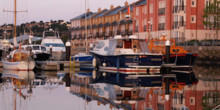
(104, 64)
(104, 74)
(94, 62)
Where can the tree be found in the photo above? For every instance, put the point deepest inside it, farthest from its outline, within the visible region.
(212, 17)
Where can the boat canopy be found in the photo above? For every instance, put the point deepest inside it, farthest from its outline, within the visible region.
(25, 37)
(118, 46)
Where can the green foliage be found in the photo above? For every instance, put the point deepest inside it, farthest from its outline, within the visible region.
(65, 38)
(212, 15)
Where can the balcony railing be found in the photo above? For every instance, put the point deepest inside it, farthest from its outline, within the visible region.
(182, 8)
(175, 24)
(177, 9)
(136, 29)
(182, 23)
(161, 11)
(123, 33)
(161, 26)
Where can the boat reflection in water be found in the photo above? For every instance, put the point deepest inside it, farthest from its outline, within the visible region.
(20, 82)
(186, 92)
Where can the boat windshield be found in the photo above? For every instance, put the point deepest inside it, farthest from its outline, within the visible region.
(36, 48)
(43, 48)
(54, 45)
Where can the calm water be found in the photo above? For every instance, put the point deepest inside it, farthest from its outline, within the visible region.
(194, 90)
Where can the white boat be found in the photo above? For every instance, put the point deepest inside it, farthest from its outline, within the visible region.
(54, 42)
(39, 51)
(18, 60)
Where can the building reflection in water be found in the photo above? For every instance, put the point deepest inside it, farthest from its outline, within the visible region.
(186, 92)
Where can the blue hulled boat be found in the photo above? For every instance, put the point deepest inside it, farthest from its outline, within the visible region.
(85, 61)
(83, 57)
(128, 55)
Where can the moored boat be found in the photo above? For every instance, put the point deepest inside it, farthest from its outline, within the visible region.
(39, 51)
(128, 55)
(178, 55)
(51, 40)
(18, 60)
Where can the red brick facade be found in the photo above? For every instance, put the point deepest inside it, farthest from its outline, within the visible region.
(175, 18)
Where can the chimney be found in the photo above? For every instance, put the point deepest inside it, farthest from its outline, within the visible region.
(126, 3)
(88, 10)
(112, 6)
(99, 10)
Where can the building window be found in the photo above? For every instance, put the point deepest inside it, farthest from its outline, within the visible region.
(151, 8)
(145, 10)
(193, 3)
(151, 24)
(206, 3)
(161, 4)
(193, 19)
(137, 11)
(137, 24)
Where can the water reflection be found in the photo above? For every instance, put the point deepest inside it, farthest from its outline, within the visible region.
(92, 90)
(186, 91)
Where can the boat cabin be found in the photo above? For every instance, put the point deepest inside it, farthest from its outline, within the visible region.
(158, 45)
(119, 45)
(35, 48)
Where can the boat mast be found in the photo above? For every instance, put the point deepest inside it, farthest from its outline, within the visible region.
(15, 20)
(86, 27)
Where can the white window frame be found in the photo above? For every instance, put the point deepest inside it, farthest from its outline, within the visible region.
(151, 8)
(193, 5)
(194, 18)
(137, 11)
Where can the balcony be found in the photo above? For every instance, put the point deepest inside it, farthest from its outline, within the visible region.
(130, 32)
(161, 11)
(175, 24)
(182, 8)
(123, 33)
(145, 28)
(136, 29)
(177, 9)
(118, 32)
(182, 23)
(80, 36)
(161, 26)
(97, 34)
(110, 33)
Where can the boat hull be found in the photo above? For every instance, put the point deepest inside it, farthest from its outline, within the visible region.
(42, 57)
(58, 56)
(20, 66)
(129, 64)
(187, 59)
(129, 80)
(87, 58)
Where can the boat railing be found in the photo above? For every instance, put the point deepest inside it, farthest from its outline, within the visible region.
(55, 33)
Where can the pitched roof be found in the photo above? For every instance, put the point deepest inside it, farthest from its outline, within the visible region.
(141, 2)
(113, 11)
(125, 8)
(82, 16)
(99, 14)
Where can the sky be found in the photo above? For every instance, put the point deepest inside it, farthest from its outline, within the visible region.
(47, 10)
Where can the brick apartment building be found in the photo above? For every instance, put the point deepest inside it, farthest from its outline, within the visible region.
(180, 19)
